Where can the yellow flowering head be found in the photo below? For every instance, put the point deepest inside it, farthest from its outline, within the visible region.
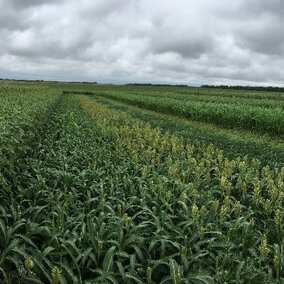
(263, 248)
(178, 278)
(276, 263)
(21, 270)
(183, 253)
(203, 212)
(183, 197)
(149, 273)
(194, 212)
(227, 202)
(278, 219)
(29, 263)
(267, 207)
(100, 245)
(56, 275)
(256, 190)
(223, 213)
(144, 171)
(127, 220)
(223, 182)
(215, 206)
(168, 195)
(238, 209)
(201, 233)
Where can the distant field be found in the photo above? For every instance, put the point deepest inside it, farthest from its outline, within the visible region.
(140, 184)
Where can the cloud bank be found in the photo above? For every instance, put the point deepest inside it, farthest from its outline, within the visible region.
(182, 41)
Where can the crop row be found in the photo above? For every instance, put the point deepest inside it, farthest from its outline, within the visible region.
(209, 98)
(255, 119)
(241, 94)
(233, 143)
(179, 92)
(22, 111)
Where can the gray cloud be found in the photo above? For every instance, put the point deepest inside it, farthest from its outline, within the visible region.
(24, 4)
(183, 41)
(260, 7)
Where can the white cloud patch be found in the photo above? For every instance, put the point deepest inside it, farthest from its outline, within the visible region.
(182, 41)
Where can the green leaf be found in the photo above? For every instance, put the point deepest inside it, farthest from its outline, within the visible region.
(108, 259)
(174, 269)
(200, 278)
(121, 269)
(3, 229)
(136, 279)
(46, 251)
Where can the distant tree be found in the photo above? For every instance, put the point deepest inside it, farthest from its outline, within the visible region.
(252, 88)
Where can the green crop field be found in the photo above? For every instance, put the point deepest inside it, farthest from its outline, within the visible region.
(140, 184)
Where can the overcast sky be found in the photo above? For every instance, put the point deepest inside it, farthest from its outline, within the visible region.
(165, 41)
